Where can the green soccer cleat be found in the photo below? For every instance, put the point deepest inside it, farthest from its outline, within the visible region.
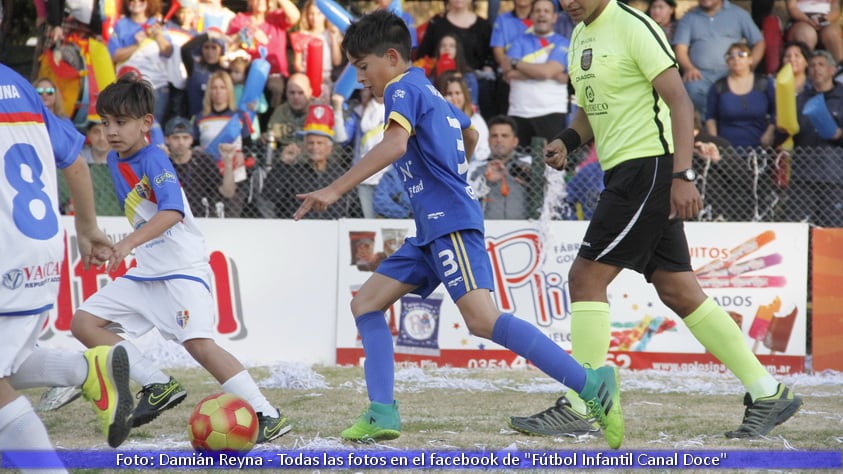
(154, 398)
(379, 422)
(107, 387)
(272, 427)
(559, 420)
(764, 414)
(602, 397)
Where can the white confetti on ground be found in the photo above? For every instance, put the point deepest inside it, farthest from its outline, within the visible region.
(295, 376)
(413, 380)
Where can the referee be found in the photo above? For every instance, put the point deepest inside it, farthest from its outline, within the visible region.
(633, 104)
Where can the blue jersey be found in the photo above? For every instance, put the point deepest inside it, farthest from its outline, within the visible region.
(145, 184)
(34, 143)
(433, 170)
(507, 28)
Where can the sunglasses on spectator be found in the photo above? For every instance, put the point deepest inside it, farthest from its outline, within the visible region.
(45, 90)
(736, 54)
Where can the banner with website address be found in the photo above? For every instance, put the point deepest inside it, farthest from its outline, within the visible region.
(755, 271)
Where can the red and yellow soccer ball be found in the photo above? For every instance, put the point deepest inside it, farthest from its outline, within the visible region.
(223, 422)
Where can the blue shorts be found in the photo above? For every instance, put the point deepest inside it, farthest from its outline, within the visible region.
(459, 260)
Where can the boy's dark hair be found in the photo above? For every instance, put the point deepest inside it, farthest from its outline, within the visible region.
(128, 97)
(375, 33)
(504, 120)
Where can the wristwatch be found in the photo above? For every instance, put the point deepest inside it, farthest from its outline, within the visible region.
(687, 175)
(514, 64)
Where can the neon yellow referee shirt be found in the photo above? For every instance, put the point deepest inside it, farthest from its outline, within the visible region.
(612, 63)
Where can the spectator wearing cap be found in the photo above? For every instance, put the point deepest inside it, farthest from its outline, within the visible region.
(96, 146)
(288, 119)
(537, 76)
(201, 56)
(139, 41)
(318, 168)
(663, 12)
(701, 36)
(816, 187)
(204, 184)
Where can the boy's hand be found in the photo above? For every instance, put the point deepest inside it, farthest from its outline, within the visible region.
(318, 200)
(685, 200)
(119, 252)
(94, 246)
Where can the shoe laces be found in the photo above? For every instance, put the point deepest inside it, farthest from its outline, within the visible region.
(757, 414)
(599, 406)
(559, 414)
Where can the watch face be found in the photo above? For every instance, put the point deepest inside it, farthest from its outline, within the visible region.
(690, 174)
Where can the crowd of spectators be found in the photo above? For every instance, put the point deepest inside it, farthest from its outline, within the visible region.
(509, 73)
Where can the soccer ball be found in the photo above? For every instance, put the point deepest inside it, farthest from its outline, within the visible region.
(223, 422)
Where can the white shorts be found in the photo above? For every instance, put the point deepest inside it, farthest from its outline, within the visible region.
(18, 338)
(180, 309)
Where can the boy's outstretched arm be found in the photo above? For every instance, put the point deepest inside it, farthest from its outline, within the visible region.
(156, 226)
(391, 148)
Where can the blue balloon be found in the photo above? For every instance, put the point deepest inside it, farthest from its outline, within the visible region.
(817, 112)
(255, 83)
(337, 15)
(347, 82)
(228, 134)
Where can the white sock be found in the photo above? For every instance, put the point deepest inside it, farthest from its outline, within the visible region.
(21, 429)
(47, 367)
(141, 369)
(244, 386)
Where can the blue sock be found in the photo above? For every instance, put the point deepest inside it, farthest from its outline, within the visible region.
(380, 358)
(529, 342)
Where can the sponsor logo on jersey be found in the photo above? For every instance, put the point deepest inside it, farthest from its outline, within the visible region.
(456, 281)
(398, 94)
(164, 177)
(435, 215)
(32, 276)
(13, 279)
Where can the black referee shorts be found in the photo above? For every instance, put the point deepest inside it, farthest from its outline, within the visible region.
(630, 226)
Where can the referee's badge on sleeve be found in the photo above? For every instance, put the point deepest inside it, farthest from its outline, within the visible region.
(585, 59)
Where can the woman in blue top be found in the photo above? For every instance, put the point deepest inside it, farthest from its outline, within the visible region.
(741, 107)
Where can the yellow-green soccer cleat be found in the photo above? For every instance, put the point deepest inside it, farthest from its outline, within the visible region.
(107, 387)
(378, 422)
(764, 414)
(602, 397)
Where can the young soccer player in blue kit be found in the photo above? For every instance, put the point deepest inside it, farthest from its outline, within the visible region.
(429, 143)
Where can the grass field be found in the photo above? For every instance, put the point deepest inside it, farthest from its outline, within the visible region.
(461, 409)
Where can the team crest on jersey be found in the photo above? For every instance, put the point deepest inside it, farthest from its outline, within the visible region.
(182, 317)
(142, 189)
(13, 279)
(585, 59)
